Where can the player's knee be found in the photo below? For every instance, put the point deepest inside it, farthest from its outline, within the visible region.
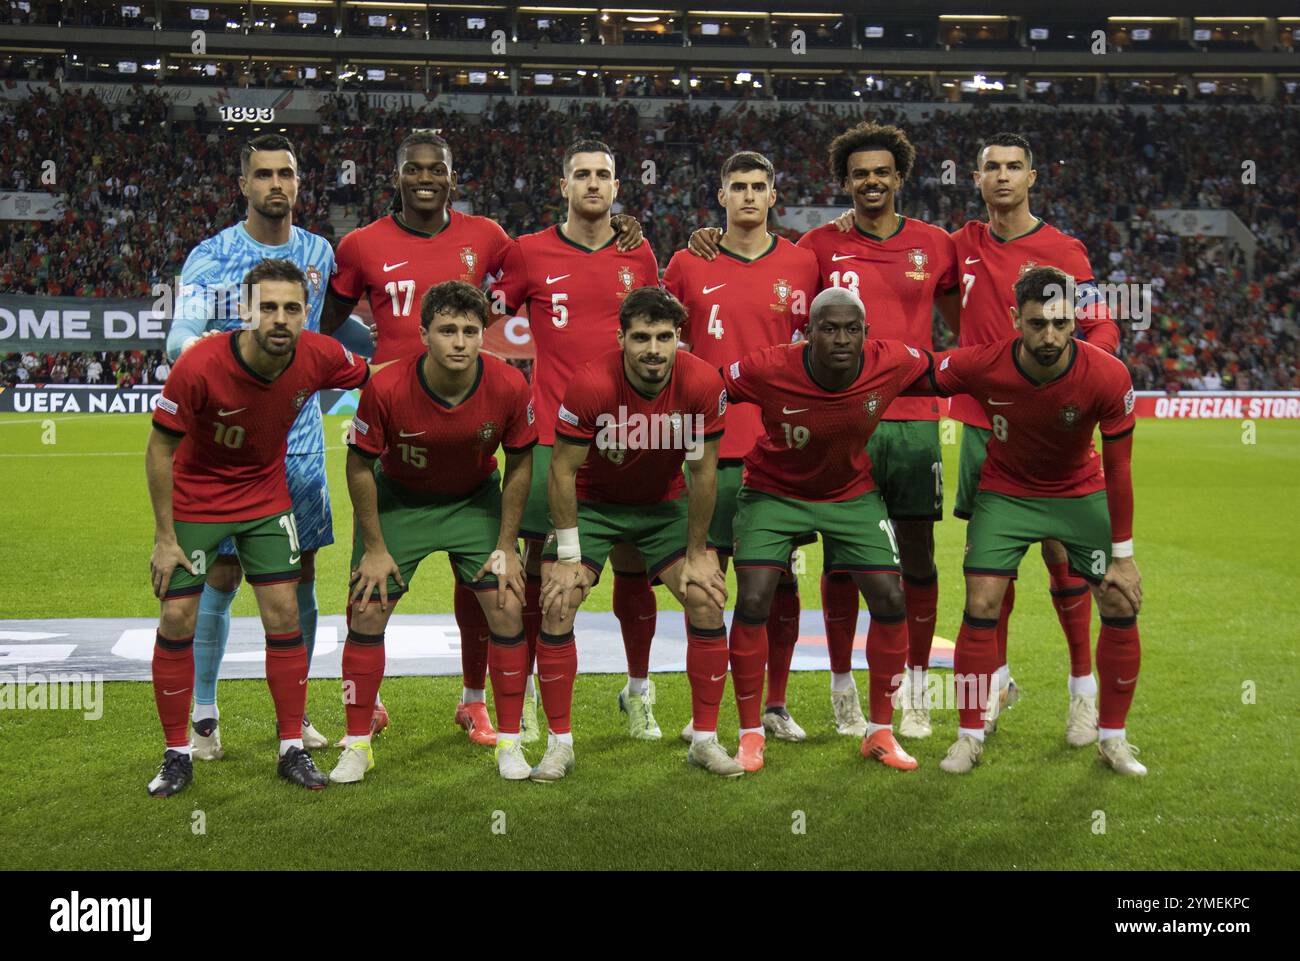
(701, 610)
(984, 607)
(1114, 604)
(754, 602)
(178, 618)
(884, 596)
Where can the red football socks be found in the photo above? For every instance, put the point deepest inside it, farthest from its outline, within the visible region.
(1073, 602)
(363, 672)
(286, 676)
(557, 665)
(887, 659)
(782, 636)
(840, 615)
(473, 637)
(922, 598)
(173, 686)
(508, 665)
(635, 607)
(1119, 657)
(974, 663)
(532, 616)
(706, 668)
(748, 654)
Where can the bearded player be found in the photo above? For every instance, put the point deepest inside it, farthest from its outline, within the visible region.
(1045, 393)
(215, 464)
(571, 279)
(754, 294)
(628, 420)
(811, 471)
(993, 256)
(423, 478)
(209, 298)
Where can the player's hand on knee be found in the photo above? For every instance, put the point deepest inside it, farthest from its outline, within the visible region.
(703, 571)
(167, 556)
(704, 242)
(1123, 576)
(508, 569)
(372, 575)
(562, 579)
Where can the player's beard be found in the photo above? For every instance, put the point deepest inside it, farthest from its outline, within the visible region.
(274, 213)
(274, 348)
(1047, 356)
(655, 375)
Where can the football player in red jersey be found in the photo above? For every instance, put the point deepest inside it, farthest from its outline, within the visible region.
(215, 465)
(1044, 394)
(628, 420)
(392, 262)
(811, 471)
(754, 295)
(571, 279)
(423, 478)
(993, 256)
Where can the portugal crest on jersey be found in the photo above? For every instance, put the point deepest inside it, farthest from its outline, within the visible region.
(1027, 266)
(300, 398)
(1069, 416)
(487, 432)
(626, 279)
(783, 290)
(918, 259)
(313, 275)
(469, 259)
(872, 404)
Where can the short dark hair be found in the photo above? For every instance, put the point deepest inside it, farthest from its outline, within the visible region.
(1006, 139)
(1041, 285)
(417, 137)
(267, 141)
(453, 297)
(585, 146)
(869, 135)
(654, 304)
(747, 160)
(274, 268)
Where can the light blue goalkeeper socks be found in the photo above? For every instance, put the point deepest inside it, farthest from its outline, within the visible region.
(211, 631)
(307, 615)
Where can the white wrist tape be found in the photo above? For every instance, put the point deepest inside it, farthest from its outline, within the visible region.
(1122, 549)
(566, 544)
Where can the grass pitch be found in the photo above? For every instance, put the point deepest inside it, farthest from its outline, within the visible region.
(1215, 713)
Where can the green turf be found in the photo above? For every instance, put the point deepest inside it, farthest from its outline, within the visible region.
(1215, 532)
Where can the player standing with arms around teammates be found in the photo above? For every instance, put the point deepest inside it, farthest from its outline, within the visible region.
(628, 420)
(572, 279)
(811, 471)
(754, 294)
(423, 478)
(392, 262)
(215, 464)
(210, 280)
(1045, 393)
(993, 257)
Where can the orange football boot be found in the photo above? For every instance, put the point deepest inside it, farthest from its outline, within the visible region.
(473, 717)
(886, 750)
(750, 754)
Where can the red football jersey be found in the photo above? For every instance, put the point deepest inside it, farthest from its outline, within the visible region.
(897, 278)
(638, 443)
(815, 445)
(736, 306)
(571, 297)
(235, 423)
(990, 267)
(1041, 444)
(429, 446)
(393, 265)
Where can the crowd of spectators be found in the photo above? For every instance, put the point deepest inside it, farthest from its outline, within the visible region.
(120, 368)
(144, 191)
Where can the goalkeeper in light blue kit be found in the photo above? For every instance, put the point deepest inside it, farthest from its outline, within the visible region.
(210, 282)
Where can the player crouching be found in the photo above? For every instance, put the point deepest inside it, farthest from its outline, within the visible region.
(628, 420)
(215, 464)
(423, 478)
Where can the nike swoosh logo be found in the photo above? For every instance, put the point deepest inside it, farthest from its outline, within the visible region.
(972, 260)
(402, 433)
(787, 620)
(797, 410)
(230, 413)
(302, 682)
(745, 697)
(1131, 680)
(548, 680)
(388, 267)
(1072, 606)
(294, 558)
(717, 677)
(845, 618)
(551, 280)
(171, 693)
(1000, 403)
(709, 290)
(511, 673)
(646, 617)
(839, 257)
(924, 620)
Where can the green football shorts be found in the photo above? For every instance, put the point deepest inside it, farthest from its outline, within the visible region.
(856, 532)
(416, 525)
(907, 467)
(1003, 527)
(974, 448)
(267, 548)
(536, 522)
(658, 531)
